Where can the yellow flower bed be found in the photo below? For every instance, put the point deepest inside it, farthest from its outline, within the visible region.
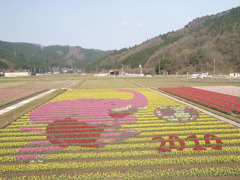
(129, 154)
(118, 164)
(147, 174)
(189, 132)
(24, 137)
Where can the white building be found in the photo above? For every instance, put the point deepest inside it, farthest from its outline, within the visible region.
(101, 75)
(16, 74)
(234, 75)
(134, 75)
(199, 75)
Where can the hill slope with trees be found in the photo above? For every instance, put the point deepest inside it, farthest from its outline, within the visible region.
(17, 56)
(190, 49)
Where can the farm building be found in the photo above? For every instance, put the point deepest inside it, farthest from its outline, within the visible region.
(116, 73)
(234, 75)
(15, 74)
(199, 75)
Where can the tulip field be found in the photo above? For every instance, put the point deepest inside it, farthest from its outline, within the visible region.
(229, 90)
(215, 97)
(130, 133)
(11, 95)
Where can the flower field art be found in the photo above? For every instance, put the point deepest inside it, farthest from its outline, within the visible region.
(217, 98)
(131, 133)
(10, 95)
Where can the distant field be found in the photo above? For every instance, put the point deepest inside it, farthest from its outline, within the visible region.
(46, 84)
(89, 82)
(180, 82)
(106, 83)
(34, 82)
(9, 84)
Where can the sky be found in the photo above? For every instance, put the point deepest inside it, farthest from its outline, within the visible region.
(99, 24)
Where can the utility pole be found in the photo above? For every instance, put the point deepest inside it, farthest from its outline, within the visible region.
(140, 67)
(159, 64)
(214, 66)
(122, 70)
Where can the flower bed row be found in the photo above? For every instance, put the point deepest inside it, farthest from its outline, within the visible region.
(147, 174)
(141, 122)
(144, 123)
(136, 146)
(223, 102)
(229, 139)
(52, 156)
(11, 95)
(79, 131)
(229, 90)
(85, 129)
(141, 143)
(151, 162)
(146, 132)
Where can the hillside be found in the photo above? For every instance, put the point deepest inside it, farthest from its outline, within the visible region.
(189, 49)
(16, 56)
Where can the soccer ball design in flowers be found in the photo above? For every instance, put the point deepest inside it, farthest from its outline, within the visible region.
(176, 114)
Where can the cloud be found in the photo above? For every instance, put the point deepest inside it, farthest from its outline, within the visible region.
(125, 23)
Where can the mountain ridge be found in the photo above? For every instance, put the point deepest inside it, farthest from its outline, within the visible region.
(186, 50)
(17, 56)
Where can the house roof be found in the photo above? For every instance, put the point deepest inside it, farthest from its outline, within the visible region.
(113, 70)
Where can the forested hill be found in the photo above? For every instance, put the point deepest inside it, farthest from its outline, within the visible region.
(192, 48)
(17, 56)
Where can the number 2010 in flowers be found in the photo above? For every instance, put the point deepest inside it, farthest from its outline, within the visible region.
(182, 145)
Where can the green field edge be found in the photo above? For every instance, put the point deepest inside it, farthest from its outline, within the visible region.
(9, 117)
(2, 106)
(77, 84)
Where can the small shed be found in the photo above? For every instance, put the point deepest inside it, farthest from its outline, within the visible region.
(15, 74)
(115, 72)
(199, 75)
(234, 75)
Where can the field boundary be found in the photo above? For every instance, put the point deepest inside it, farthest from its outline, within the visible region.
(3, 106)
(11, 113)
(77, 84)
(137, 84)
(7, 109)
(198, 108)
